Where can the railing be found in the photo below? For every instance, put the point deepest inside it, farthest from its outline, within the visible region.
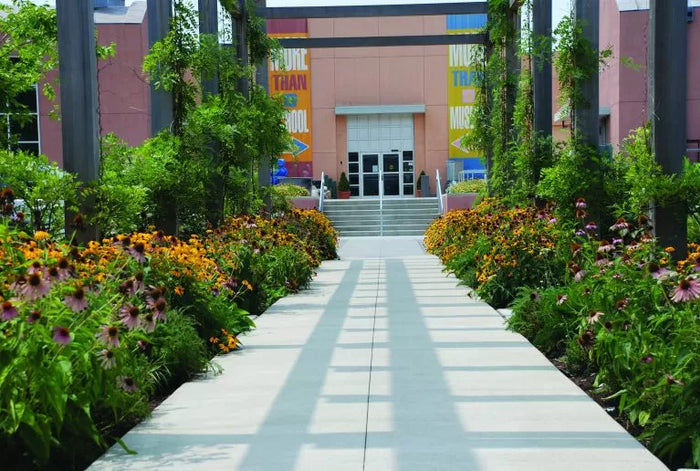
(381, 202)
(322, 192)
(439, 189)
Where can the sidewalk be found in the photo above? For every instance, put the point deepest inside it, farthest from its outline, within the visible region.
(384, 364)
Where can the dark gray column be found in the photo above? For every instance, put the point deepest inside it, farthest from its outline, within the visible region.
(542, 67)
(667, 110)
(585, 119)
(79, 103)
(242, 44)
(159, 15)
(262, 78)
(209, 24)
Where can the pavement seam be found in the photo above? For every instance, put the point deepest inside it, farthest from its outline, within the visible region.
(371, 364)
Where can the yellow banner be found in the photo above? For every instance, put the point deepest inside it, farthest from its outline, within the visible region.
(462, 81)
(290, 76)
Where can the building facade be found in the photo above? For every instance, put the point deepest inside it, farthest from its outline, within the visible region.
(395, 110)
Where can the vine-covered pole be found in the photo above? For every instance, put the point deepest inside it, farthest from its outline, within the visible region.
(262, 78)
(586, 119)
(209, 24)
(159, 15)
(542, 70)
(667, 110)
(512, 60)
(79, 103)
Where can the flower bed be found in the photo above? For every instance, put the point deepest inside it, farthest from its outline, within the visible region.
(90, 335)
(496, 250)
(617, 311)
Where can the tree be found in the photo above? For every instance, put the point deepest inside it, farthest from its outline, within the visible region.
(28, 50)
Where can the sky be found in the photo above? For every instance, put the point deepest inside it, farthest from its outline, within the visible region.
(559, 7)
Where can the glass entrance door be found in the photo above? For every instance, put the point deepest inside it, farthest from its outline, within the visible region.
(396, 169)
(370, 175)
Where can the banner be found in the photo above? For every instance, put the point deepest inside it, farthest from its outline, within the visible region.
(462, 82)
(290, 76)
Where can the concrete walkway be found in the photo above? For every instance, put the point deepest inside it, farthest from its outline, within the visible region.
(384, 364)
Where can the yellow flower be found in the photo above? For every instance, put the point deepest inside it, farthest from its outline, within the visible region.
(247, 284)
(179, 290)
(669, 249)
(41, 235)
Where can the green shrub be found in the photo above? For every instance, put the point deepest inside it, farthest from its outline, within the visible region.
(289, 191)
(45, 188)
(467, 186)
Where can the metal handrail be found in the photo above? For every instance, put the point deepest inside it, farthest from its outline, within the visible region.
(439, 189)
(321, 192)
(381, 202)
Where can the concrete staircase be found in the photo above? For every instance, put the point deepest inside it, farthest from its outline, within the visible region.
(361, 217)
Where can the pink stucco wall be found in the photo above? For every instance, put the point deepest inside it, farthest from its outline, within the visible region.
(125, 105)
(378, 76)
(624, 88)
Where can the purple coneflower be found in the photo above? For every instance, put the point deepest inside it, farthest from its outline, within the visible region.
(620, 225)
(107, 359)
(605, 246)
(578, 276)
(144, 345)
(561, 299)
(687, 290)
(34, 316)
(9, 311)
(647, 359)
(159, 309)
(138, 252)
(657, 271)
(19, 285)
(37, 287)
(138, 281)
(129, 315)
(580, 233)
(622, 303)
(63, 269)
(616, 241)
(591, 227)
(552, 221)
(581, 203)
(594, 316)
(148, 322)
(127, 383)
(34, 268)
(109, 334)
(61, 335)
(77, 300)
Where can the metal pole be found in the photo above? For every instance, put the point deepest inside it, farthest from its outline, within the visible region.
(159, 15)
(667, 108)
(542, 70)
(209, 24)
(79, 103)
(585, 117)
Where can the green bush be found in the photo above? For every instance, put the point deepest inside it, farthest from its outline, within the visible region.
(45, 189)
(290, 191)
(467, 186)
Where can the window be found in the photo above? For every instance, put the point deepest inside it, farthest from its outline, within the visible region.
(21, 130)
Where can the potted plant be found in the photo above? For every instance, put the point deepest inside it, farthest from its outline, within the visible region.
(343, 187)
(463, 195)
(419, 191)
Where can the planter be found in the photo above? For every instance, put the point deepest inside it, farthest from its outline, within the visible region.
(458, 201)
(344, 195)
(304, 202)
